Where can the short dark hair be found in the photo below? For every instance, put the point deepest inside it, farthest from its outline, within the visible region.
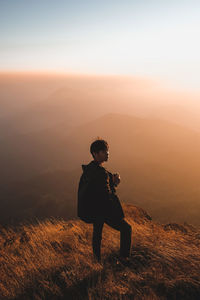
(97, 145)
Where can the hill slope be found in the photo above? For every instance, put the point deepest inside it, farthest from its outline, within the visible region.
(53, 260)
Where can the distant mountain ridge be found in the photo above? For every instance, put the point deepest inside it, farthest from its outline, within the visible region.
(158, 162)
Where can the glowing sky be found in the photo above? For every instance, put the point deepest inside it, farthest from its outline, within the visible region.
(152, 38)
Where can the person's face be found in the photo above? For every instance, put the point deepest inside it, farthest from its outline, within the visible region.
(102, 155)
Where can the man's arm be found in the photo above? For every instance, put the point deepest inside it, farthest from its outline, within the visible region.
(103, 188)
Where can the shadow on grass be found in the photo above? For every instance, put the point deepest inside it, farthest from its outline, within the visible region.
(141, 259)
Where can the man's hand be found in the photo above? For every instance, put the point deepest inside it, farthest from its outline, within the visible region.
(116, 178)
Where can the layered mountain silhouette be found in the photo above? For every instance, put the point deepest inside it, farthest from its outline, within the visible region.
(182, 115)
(48, 122)
(158, 162)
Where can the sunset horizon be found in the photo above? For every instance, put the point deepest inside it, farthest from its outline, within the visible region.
(147, 39)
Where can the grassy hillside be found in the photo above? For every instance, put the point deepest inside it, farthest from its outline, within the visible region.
(53, 260)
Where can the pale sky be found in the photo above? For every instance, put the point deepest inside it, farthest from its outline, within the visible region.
(151, 38)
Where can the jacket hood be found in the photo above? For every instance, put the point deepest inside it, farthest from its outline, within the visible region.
(84, 167)
(91, 165)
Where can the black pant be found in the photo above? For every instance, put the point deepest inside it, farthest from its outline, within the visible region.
(125, 236)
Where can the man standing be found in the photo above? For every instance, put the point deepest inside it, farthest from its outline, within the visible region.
(98, 202)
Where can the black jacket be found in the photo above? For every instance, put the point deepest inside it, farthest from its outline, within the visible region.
(97, 194)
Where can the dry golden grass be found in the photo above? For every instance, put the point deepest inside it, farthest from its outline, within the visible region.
(53, 260)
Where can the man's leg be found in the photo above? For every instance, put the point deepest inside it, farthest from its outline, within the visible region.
(97, 237)
(125, 235)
